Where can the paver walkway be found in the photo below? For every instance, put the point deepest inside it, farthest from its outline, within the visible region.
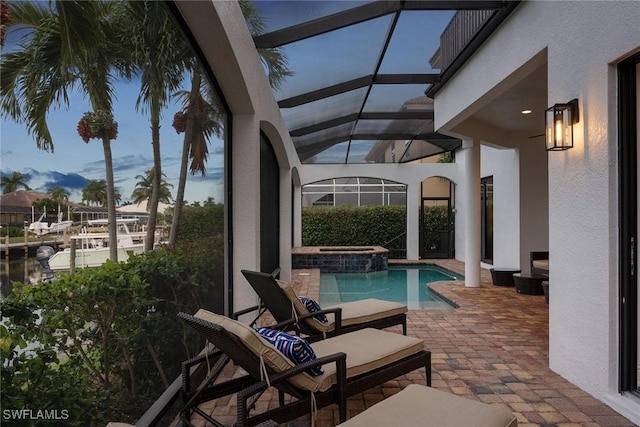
(493, 348)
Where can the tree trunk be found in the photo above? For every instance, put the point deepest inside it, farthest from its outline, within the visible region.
(112, 226)
(157, 180)
(182, 183)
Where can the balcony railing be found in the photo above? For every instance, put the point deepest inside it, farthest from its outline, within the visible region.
(461, 29)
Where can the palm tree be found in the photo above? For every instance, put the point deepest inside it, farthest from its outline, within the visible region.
(144, 189)
(11, 183)
(162, 59)
(95, 192)
(59, 195)
(203, 115)
(71, 46)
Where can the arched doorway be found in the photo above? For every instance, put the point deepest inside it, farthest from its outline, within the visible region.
(437, 222)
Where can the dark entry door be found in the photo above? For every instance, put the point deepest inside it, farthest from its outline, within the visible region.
(436, 228)
(629, 156)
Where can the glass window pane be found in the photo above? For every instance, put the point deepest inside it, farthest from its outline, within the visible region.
(367, 180)
(397, 199)
(351, 180)
(346, 199)
(279, 14)
(371, 199)
(334, 154)
(356, 48)
(317, 189)
(360, 150)
(346, 188)
(415, 40)
(371, 189)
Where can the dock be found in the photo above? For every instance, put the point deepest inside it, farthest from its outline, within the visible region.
(22, 249)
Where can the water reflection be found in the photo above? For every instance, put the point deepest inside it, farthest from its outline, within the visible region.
(23, 270)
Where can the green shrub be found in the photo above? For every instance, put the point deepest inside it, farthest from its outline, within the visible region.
(365, 225)
(350, 225)
(114, 327)
(200, 221)
(11, 232)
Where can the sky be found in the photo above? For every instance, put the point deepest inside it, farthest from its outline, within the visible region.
(314, 65)
(73, 161)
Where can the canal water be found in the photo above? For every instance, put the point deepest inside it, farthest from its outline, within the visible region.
(18, 269)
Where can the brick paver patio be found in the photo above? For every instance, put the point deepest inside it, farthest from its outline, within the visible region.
(493, 348)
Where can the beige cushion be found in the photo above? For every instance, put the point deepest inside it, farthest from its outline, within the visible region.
(542, 264)
(422, 406)
(369, 309)
(259, 346)
(366, 350)
(262, 348)
(353, 313)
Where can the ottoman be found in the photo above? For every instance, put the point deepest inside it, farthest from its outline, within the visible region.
(423, 406)
(503, 276)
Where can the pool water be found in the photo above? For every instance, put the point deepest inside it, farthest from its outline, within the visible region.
(402, 283)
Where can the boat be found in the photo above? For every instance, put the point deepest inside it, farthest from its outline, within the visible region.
(92, 248)
(40, 227)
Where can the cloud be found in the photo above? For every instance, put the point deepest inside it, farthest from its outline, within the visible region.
(43, 180)
(71, 181)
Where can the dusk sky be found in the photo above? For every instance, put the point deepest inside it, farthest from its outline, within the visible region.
(74, 162)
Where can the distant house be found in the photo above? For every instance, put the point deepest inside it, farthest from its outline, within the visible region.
(17, 207)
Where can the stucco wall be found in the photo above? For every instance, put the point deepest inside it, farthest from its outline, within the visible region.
(582, 40)
(502, 164)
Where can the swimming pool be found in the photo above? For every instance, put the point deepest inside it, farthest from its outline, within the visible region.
(400, 283)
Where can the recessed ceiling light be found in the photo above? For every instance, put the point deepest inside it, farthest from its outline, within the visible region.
(527, 111)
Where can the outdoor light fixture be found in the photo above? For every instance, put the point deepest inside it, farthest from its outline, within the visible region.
(559, 125)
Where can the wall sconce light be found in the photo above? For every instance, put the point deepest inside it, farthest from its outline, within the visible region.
(559, 125)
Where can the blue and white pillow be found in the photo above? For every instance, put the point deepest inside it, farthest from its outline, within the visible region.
(313, 306)
(295, 348)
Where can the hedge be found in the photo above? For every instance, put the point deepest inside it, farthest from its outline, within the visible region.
(365, 225)
(350, 225)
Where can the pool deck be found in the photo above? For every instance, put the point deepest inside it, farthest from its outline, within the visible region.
(493, 348)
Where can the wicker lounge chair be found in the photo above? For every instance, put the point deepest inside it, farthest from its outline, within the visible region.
(352, 363)
(283, 303)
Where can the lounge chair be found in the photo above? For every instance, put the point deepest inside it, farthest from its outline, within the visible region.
(352, 363)
(283, 303)
(417, 405)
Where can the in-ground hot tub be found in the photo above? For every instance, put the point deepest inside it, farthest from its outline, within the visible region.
(341, 259)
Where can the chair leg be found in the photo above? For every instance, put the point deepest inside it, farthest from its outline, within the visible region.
(281, 397)
(404, 326)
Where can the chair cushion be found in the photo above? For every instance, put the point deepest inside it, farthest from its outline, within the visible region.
(363, 311)
(295, 348)
(252, 339)
(312, 306)
(301, 310)
(542, 264)
(353, 313)
(418, 405)
(261, 348)
(366, 349)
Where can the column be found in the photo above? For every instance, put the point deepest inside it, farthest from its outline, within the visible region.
(471, 181)
(297, 215)
(245, 210)
(413, 223)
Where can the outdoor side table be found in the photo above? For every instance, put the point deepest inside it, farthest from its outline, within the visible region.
(503, 276)
(529, 284)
